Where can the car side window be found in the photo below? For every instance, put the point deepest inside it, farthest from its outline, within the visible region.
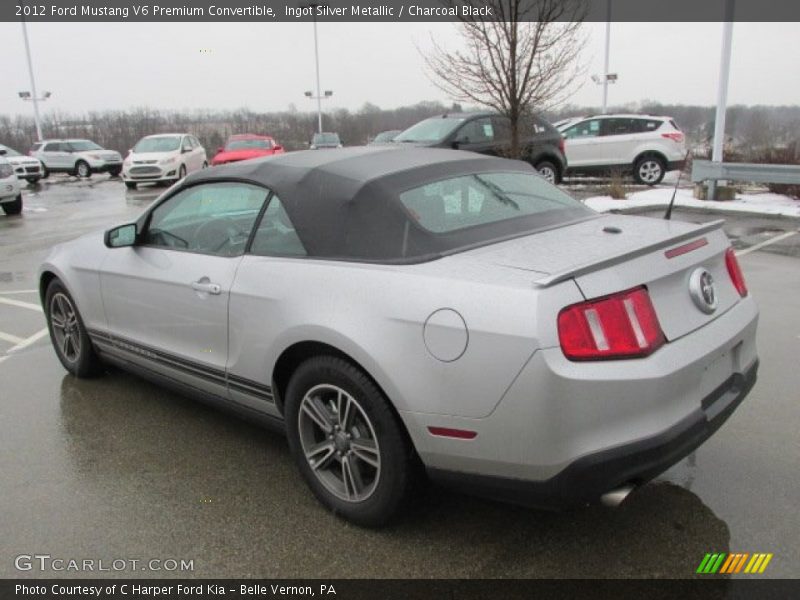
(584, 129)
(502, 129)
(187, 144)
(276, 235)
(620, 126)
(478, 131)
(212, 218)
(51, 147)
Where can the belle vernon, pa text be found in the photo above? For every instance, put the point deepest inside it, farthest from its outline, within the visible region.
(199, 591)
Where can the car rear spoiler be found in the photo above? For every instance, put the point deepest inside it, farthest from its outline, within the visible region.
(579, 270)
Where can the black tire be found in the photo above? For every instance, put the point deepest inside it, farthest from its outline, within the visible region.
(32, 180)
(205, 164)
(81, 361)
(131, 185)
(548, 170)
(82, 169)
(649, 170)
(45, 172)
(13, 208)
(182, 172)
(115, 172)
(396, 464)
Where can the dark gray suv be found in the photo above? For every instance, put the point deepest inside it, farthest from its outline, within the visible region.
(490, 133)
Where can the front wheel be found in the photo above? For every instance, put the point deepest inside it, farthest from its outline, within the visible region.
(45, 172)
(32, 180)
(205, 164)
(115, 172)
(547, 170)
(131, 185)
(649, 170)
(14, 207)
(82, 169)
(68, 333)
(182, 172)
(347, 442)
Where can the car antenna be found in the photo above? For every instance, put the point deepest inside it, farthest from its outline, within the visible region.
(668, 214)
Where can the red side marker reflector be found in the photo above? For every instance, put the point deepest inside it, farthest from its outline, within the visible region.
(461, 434)
(686, 248)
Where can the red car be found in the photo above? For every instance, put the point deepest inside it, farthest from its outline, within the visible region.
(242, 147)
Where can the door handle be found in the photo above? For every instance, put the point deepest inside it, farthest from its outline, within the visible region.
(206, 286)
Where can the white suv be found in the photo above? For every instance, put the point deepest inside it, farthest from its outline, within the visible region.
(646, 145)
(26, 167)
(163, 158)
(10, 192)
(76, 157)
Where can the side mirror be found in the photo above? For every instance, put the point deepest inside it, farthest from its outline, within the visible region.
(3, 152)
(277, 148)
(122, 236)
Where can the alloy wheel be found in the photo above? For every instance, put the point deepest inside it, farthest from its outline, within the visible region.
(339, 442)
(66, 329)
(650, 171)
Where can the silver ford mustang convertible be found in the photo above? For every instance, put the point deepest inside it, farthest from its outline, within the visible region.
(402, 313)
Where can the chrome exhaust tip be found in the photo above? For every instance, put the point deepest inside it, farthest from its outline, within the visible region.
(616, 497)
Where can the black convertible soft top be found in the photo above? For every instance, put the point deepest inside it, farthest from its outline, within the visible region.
(344, 203)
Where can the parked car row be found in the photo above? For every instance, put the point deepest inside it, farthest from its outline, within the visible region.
(645, 146)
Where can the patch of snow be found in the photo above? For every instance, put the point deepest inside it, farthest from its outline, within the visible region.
(758, 204)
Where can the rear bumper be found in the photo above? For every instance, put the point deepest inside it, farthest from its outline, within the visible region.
(591, 476)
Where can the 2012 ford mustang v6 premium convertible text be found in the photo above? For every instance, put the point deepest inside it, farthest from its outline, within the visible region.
(411, 312)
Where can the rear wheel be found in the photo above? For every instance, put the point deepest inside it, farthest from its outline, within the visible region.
(182, 172)
(82, 169)
(68, 333)
(547, 170)
(347, 442)
(649, 170)
(115, 172)
(14, 207)
(131, 185)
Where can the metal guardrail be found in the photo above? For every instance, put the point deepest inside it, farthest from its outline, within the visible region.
(706, 170)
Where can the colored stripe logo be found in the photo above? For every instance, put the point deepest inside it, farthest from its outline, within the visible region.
(736, 562)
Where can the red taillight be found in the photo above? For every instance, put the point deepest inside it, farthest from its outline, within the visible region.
(675, 136)
(735, 271)
(624, 325)
(460, 434)
(561, 145)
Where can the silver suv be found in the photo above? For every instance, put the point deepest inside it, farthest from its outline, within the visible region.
(646, 145)
(76, 157)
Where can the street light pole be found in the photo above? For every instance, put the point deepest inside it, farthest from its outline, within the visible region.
(34, 95)
(316, 57)
(722, 94)
(608, 51)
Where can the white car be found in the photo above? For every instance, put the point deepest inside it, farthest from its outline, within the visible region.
(26, 167)
(77, 157)
(165, 157)
(645, 145)
(10, 189)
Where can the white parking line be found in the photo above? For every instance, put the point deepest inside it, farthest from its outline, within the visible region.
(28, 341)
(20, 304)
(10, 338)
(19, 292)
(768, 242)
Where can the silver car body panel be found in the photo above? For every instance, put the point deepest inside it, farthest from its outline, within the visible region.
(497, 370)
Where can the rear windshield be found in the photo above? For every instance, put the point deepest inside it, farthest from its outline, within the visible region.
(471, 201)
(429, 130)
(166, 143)
(249, 145)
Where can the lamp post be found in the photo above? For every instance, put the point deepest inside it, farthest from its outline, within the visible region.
(32, 96)
(319, 98)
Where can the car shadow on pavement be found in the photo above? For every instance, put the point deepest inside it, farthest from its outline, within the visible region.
(161, 474)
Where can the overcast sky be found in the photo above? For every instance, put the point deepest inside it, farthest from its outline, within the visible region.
(267, 66)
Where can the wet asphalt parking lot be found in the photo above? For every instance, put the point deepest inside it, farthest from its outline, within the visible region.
(117, 468)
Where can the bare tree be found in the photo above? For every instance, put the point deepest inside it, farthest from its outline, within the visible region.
(523, 58)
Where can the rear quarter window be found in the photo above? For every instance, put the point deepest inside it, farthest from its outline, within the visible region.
(482, 198)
